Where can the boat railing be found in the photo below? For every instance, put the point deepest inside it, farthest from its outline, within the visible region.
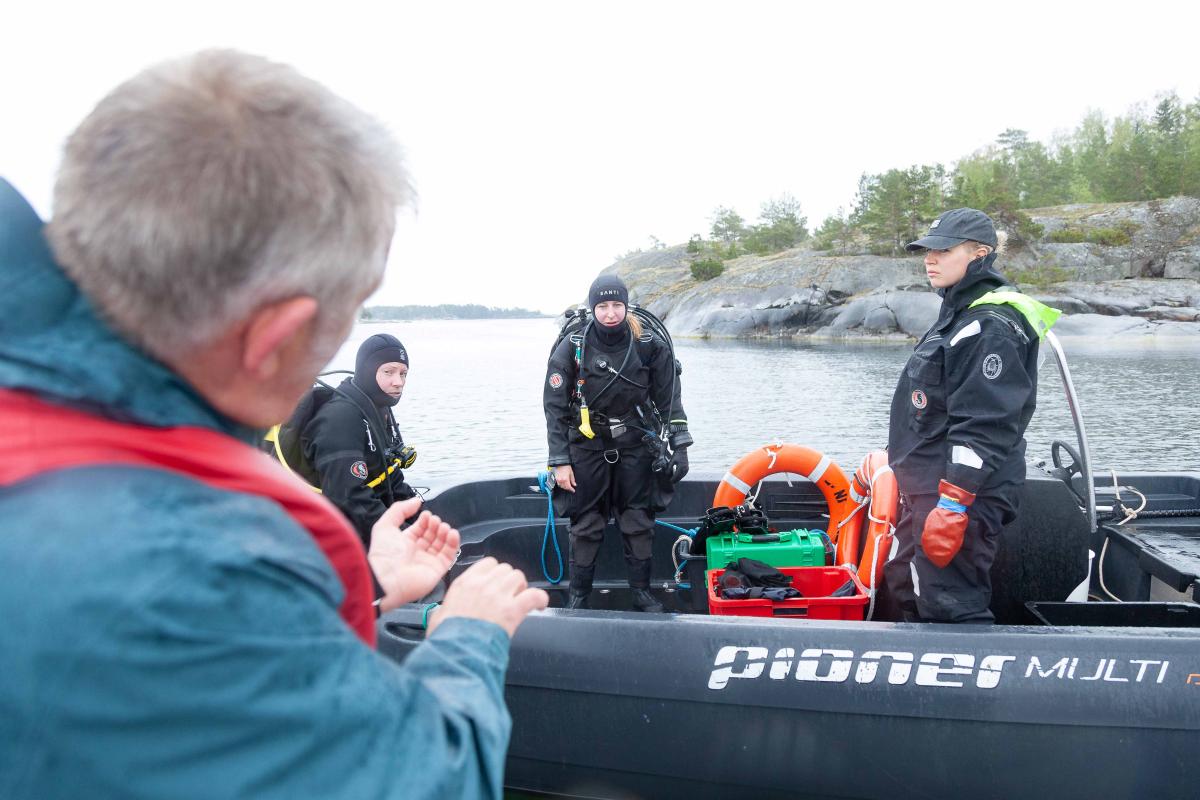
(1080, 432)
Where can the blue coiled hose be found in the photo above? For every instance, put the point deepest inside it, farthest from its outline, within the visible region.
(546, 484)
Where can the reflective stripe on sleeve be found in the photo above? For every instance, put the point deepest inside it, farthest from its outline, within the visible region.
(960, 454)
(969, 330)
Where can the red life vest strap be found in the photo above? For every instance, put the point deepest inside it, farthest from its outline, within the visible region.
(38, 437)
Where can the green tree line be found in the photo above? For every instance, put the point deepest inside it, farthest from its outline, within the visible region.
(780, 225)
(1145, 154)
(1142, 155)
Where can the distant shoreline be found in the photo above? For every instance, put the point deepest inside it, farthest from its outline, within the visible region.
(450, 319)
(451, 311)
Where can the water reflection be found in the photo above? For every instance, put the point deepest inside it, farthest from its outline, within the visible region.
(473, 401)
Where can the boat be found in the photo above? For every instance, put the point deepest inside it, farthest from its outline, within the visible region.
(1058, 699)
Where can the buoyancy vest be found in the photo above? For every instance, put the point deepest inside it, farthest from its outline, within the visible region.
(285, 441)
(285, 437)
(38, 437)
(1040, 316)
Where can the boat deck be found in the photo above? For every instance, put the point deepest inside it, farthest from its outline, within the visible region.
(1159, 548)
(1167, 550)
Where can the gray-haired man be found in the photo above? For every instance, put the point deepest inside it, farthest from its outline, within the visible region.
(180, 620)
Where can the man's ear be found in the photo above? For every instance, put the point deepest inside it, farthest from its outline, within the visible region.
(269, 332)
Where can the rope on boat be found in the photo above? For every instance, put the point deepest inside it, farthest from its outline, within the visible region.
(546, 484)
(1119, 507)
(1130, 514)
(1100, 570)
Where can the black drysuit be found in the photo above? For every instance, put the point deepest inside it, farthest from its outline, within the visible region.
(960, 411)
(613, 471)
(348, 443)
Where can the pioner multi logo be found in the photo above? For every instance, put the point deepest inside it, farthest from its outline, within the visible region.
(899, 667)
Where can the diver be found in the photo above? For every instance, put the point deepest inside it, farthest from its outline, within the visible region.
(617, 435)
(958, 418)
(345, 441)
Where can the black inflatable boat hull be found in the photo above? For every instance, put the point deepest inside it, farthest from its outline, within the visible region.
(619, 704)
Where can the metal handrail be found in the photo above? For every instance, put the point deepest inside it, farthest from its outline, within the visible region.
(1080, 434)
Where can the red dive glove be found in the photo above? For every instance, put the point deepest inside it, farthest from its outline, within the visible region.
(946, 524)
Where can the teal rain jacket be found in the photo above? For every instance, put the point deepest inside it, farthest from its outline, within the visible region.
(160, 638)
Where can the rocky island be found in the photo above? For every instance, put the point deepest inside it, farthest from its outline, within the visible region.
(1130, 270)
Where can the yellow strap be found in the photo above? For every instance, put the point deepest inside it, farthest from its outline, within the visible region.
(379, 478)
(585, 425)
(273, 437)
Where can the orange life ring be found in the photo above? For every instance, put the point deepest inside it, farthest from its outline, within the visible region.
(844, 524)
(875, 481)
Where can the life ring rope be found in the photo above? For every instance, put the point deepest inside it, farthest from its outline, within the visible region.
(875, 485)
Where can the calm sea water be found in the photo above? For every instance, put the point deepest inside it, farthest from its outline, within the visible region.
(473, 401)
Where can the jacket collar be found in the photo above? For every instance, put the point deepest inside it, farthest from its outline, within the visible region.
(981, 277)
(54, 344)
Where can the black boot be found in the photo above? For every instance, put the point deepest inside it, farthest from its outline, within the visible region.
(639, 585)
(644, 601)
(581, 585)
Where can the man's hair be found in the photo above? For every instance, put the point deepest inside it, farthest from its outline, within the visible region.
(204, 188)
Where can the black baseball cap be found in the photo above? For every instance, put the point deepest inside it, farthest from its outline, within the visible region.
(955, 227)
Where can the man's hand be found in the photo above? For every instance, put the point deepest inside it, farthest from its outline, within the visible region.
(946, 524)
(564, 476)
(409, 563)
(492, 592)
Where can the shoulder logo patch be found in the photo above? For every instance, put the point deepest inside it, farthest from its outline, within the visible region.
(919, 400)
(556, 380)
(359, 470)
(992, 366)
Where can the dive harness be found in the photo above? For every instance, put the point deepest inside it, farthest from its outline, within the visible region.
(403, 458)
(656, 429)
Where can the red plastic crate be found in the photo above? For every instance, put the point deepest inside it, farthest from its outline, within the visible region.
(815, 583)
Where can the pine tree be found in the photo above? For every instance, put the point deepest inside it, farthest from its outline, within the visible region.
(727, 225)
(1167, 144)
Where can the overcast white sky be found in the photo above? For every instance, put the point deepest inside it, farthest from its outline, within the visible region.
(546, 138)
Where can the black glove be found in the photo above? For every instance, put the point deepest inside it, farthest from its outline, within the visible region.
(680, 438)
(679, 465)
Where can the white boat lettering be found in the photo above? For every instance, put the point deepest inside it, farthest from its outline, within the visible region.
(823, 665)
(990, 670)
(751, 667)
(898, 672)
(1110, 670)
(808, 668)
(931, 670)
